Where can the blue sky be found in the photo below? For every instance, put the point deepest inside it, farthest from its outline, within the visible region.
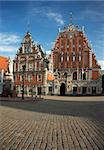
(45, 17)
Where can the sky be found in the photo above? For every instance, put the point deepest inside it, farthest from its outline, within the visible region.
(44, 18)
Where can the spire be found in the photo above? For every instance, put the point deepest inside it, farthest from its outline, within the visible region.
(28, 26)
(59, 30)
(70, 19)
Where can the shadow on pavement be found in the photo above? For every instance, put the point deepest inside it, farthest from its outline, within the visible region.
(88, 109)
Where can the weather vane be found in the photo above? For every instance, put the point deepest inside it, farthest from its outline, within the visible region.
(28, 26)
(70, 18)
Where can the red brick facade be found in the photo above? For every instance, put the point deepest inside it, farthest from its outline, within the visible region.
(74, 63)
(32, 56)
(72, 50)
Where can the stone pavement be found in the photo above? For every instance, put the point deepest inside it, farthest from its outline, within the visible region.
(52, 124)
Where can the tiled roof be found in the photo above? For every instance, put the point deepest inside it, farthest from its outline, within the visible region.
(3, 63)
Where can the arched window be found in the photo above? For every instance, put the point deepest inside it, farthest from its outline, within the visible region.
(75, 76)
(84, 76)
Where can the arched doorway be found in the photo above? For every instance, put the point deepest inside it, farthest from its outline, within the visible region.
(62, 89)
(75, 89)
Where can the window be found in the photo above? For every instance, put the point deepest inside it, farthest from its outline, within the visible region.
(73, 42)
(79, 53)
(79, 58)
(84, 76)
(80, 75)
(21, 78)
(84, 90)
(74, 90)
(14, 78)
(61, 57)
(88, 89)
(80, 42)
(39, 77)
(50, 89)
(62, 41)
(73, 53)
(73, 58)
(93, 90)
(29, 77)
(20, 67)
(67, 56)
(67, 41)
(75, 76)
(30, 66)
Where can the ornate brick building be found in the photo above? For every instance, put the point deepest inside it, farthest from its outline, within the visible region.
(75, 66)
(30, 68)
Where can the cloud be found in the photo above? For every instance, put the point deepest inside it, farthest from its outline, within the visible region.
(101, 62)
(8, 48)
(49, 13)
(9, 42)
(56, 17)
(7, 39)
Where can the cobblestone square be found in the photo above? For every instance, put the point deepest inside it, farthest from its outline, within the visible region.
(54, 123)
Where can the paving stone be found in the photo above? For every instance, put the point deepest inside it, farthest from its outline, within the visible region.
(51, 125)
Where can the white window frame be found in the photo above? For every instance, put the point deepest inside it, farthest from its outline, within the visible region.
(73, 57)
(39, 77)
(21, 77)
(29, 77)
(30, 66)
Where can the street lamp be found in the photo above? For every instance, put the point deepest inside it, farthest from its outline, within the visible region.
(23, 68)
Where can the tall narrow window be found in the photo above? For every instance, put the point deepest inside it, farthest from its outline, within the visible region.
(80, 42)
(75, 76)
(30, 77)
(62, 57)
(67, 56)
(73, 56)
(84, 76)
(39, 77)
(30, 66)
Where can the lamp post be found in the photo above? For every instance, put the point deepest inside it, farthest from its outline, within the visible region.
(23, 67)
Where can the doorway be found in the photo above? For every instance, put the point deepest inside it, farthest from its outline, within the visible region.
(39, 90)
(84, 90)
(75, 90)
(62, 89)
(93, 90)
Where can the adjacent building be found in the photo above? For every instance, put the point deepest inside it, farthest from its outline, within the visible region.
(3, 69)
(6, 77)
(76, 70)
(102, 73)
(30, 68)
